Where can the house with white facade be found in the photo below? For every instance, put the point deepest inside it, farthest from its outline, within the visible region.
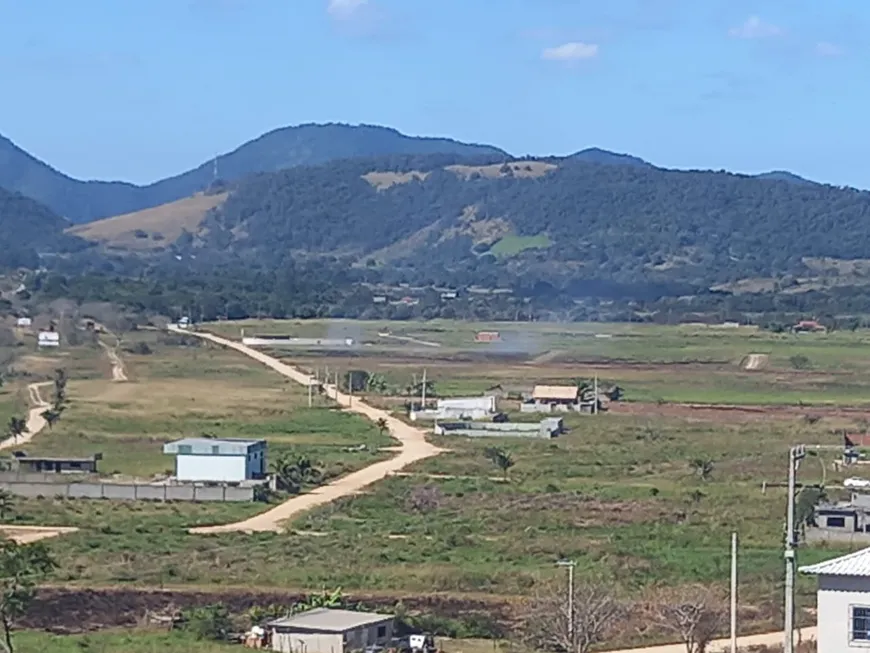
(459, 408)
(48, 339)
(843, 602)
(218, 461)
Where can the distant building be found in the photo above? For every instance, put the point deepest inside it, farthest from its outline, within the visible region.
(28, 464)
(808, 326)
(219, 461)
(48, 339)
(487, 336)
(460, 408)
(547, 428)
(844, 521)
(843, 602)
(24, 322)
(449, 294)
(379, 299)
(324, 630)
(289, 341)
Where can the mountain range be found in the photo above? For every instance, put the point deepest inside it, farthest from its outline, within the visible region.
(310, 144)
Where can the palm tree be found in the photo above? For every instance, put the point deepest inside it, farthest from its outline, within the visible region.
(50, 416)
(382, 425)
(500, 458)
(7, 504)
(16, 427)
(703, 467)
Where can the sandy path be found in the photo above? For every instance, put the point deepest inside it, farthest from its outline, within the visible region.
(413, 447)
(720, 645)
(35, 421)
(119, 374)
(28, 534)
(755, 362)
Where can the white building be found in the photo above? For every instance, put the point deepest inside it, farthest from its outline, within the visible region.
(24, 322)
(324, 630)
(843, 602)
(221, 461)
(460, 408)
(48, 339)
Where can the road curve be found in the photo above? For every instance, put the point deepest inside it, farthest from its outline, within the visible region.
(412, 447)
(119, 374)
(35, 421)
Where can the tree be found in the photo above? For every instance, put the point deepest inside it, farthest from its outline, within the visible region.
(382, 425)
(702, 467)
(60, 380)
(694, 614)
(292, 472)
(7, 504)
(500, 458)
(208, 622)
(548, 624)
(21, 567)
(50, 416)
(16, 427)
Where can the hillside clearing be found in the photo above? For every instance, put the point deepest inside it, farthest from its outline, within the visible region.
(530, 169)
(151, 228)
(383, 180)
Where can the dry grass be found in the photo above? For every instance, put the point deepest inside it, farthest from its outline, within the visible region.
(384, 180)
(529, 169)
(168, 220)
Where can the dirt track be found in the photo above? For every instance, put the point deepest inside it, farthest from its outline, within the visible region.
(719, 645)
(755, 362)
(413, 447)
(35, 420)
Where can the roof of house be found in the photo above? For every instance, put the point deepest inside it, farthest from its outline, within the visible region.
(330, 620)
(857, 439)
(854, 564)
(212, 446)
(555, 392)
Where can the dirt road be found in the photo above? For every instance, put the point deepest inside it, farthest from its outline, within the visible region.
(755, 362)
(720, 645)
(413, 447)
(119, 374)
(28, 534)
(35, 421)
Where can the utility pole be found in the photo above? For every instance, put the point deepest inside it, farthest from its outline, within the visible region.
(795, 455)
(595, 405)
(570, 564)
(423, 391)
(349, 389)
(734, 592)
(311, 383)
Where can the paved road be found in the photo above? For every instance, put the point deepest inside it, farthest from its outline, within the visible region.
(412, 447)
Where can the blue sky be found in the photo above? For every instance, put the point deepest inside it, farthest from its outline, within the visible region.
(142, 89)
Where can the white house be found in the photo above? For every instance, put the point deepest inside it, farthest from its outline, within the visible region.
(48, 339)
(843, 602)
(324, 630)
(221, 461)
(460, 408)
(24, 322)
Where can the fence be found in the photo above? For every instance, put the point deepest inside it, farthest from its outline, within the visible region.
(127, 491)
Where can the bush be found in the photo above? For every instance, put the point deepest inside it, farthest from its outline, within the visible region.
(799, 362)
(209, 622)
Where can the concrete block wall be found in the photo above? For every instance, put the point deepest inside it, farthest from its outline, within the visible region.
(128, 492)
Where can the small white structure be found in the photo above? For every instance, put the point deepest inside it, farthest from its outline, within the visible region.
(459, 408)
(324, 630)
(843, 602)
(288, 341)
(183, 322)
(24, 322)
(218, 461)
(48, 339)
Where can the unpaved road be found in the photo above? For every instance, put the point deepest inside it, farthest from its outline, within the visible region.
(28, 534)
(119, 374)
(35, 421)
(720, 645)
(413, 447)
(755, 362)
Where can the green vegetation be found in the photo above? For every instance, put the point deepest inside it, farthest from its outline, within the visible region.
(120, 641)
(513, 245)
(26, 226)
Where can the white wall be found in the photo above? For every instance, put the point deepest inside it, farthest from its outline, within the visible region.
(210, 468)
(836, 597)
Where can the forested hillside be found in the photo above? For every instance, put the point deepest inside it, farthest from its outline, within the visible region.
(559, 221)
(27, 228)
(83, 201)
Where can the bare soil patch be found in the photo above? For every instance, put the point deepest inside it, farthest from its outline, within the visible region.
(384, 180)
(528, 169)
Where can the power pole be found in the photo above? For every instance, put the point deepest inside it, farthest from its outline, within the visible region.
(310, 391)
(734, 592)
(423, 391)
(795, 455)
(570, 564)
(349, 389)
(595, 405)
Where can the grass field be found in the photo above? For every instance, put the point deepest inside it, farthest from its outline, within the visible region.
(127, 641)
(619, 493)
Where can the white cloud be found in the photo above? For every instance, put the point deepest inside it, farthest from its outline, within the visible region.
(570, 52)
(826, 49)
(345, 9)
(755, 28)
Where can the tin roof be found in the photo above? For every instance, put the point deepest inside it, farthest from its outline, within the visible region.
(330, 620)
(854, 564)
(555, 392)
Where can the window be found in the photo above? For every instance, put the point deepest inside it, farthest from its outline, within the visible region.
(860, 624)
(836, 522)
(184, 449)
(382, 632)
(215, 449)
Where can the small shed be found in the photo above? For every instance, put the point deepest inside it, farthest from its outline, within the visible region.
(41, 464)
(325, 630)
(24, 322)
(218, 461)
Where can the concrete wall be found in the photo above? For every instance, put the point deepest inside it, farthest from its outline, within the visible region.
(128, 492)
(837, 597)
(308, 642)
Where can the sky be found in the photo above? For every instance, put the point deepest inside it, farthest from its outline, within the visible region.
(143, 89)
